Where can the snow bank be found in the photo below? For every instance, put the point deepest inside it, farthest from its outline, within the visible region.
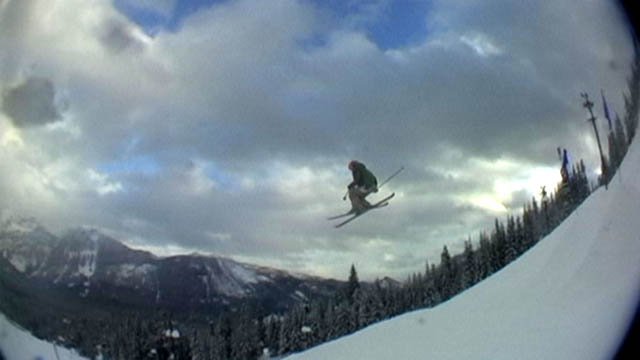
(18, 344)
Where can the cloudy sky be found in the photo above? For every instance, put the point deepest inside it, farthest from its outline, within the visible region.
(225, 127)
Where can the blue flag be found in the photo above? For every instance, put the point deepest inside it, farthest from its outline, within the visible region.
(606, 110)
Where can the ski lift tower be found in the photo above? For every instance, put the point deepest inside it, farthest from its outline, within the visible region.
(588, 104)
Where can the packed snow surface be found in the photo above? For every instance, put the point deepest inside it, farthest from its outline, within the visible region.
(572, 296)
(18, 344)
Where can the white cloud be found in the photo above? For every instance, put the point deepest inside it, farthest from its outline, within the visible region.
(102, 184)
(197, 181)
(10, 136)
(249, 125)
(481, 44)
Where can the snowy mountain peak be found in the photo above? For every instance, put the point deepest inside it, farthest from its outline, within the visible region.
(24, 243)
(91, 264)
(91, 237)
(18, 225)
(388, 283)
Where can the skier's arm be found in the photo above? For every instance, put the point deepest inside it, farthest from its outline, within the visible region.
(357, 179)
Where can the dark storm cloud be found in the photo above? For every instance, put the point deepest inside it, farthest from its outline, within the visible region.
(16, 16)
(31, 103)
(550, 53)
(117, 37)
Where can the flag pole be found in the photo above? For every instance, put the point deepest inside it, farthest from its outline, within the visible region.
(606, 111)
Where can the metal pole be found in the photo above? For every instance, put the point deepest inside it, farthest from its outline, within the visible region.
(589, 105)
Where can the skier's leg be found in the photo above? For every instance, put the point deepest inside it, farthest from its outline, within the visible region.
(356, 195)
(365, 193)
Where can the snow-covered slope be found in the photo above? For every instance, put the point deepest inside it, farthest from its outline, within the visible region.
(572, 296)
(18, 344)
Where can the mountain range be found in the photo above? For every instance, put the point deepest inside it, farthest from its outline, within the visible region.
(89, 266)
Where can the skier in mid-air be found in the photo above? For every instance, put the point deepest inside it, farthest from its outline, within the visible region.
(363, 184)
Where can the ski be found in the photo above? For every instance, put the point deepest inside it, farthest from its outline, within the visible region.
(353, 212)
(342, 215)
(382, 203)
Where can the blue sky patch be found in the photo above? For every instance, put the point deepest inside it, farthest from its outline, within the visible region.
(141, 164)
(153, 21)
(402, 24)
(390, 24)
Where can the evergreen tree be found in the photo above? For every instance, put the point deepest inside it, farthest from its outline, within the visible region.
(316, 318)
(432, 296)
(499, 246)
(244, 335)
(289, 332)
(271, 337)
(520, 236)
(512, 241)
(427, 283)
(531, 224)
(546, 213)
(578, 188)
(470, 276)
(221, 344)
(344, 320)
(353, 284)
(448, 275)
(485, 265)
(369, 307)
(620, 143)
(331, 320)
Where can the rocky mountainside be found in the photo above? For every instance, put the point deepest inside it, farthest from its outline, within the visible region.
(95, 267)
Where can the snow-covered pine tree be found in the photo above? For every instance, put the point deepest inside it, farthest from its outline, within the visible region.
(221, 342)
(245, 335)
(369, 306)
(344, 319)
(429, 285)
(620, 143)
(272, 324)
(288, 338)
(433, 292)
(330, 319)
(316, 319)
